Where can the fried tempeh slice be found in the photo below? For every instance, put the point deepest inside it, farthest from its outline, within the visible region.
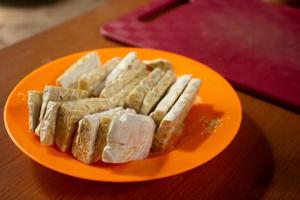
(158, 63)
(85, 137)
(100, 143)
(170, 127)
(54, 93)
(47, 130)
(94, 81)
(129, 138)
(136, 96)
(104, 125)
(123, 65)
(35, 99)
(119, 99)
(85, 64)
(157, 92)
(170, 98)
(125, 77)
(70, 113)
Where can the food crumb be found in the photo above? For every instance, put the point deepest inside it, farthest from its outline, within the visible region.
(212, 125)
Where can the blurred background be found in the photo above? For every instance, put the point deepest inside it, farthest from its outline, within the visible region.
(20, 19)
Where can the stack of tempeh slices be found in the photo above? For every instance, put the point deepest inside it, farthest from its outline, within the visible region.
(115, 112)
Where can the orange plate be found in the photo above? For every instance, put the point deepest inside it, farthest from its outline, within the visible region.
(197, 147)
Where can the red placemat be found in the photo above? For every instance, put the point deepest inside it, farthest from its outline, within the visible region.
(254, 45)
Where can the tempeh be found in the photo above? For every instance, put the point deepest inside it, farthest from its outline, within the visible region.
(170, 98)
(136, 96)
(153, 97)
(35, 99)
(94, 81)
(85, 64)
(169, 129)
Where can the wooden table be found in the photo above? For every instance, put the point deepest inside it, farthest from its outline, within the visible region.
(262, 162)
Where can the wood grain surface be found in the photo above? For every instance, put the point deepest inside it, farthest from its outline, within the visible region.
(263, 161)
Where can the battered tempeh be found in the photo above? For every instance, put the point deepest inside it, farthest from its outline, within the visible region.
(129, 138)
(101, 140)
(119, 99)
(54, 93)
(85, 64)
(86, 134)
(169, 129)
(94, 81)
(170, 98)
(70, 113)
(47, 127)
(157, 92)
(102, 136)
(35, 99)
(123, 65)
(125, 77)
(100, 128)
(136, 96)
